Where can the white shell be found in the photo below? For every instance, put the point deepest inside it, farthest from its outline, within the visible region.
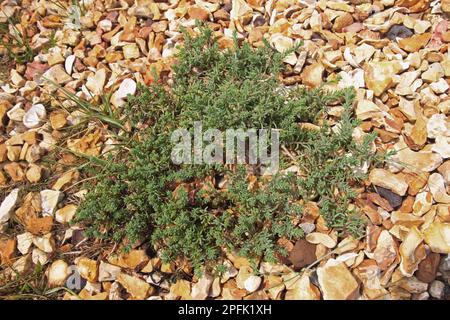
(34, 116)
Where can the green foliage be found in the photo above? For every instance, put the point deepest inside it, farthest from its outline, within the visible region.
(31, 285)
(180, 208)
(15, 42)
(102, 111)
(329, 161)
(70, 9)
(52, 41)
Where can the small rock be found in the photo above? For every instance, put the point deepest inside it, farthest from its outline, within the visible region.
(181, 288)
(301, 288)
(96, 81)
(252, 283)
(445, 265)
(414, 6)
(68, 64)
(274, 286)
(131, 51)
(93, 287)
(238, 261)
(388, 180)
(346, 245)
(394, 199)
(337, 282)
(433, 73)
(442, 146)
(340, 6)
(66, 213)
(15, 171)
(282, 44)
(108, 272)
(168, 267)
(437, 236)
(127, 87)
(22, 266)
(446, 66)
(16, 113)
(412, 252)
(412, 285)
(303, 254)
(34, 173)
(342, 21)
(445, 6)
(414, 43)
(404, 219)
(366, 109)
(57, 273)
(436, 184)
(131, 260)
(312, 75)
(230, 271)
(239, 8)
(307, 227)
(35, 69)
(39, 257)
(408, 108)
(398, 31)
(16, 78)
(354, 27)
(34, 117)
(438, 125)
(87, 268)
(24, 242)
(379, 76)
(114, 291)
(7, 250)
(421, 26)
(444, 170)
(428, 268)
(370, 275)
(138, 288)
(54, 56)
(8, 205)
(37, 225)
(200, 290)
(58, 119)
(65, 179)
(198, 13)
(418, 136)
(443, 212)
(419, 162)
(57, 74)
(422, 204)
(216, 289)
(46, 243)
(105, 25)
(437, 289)
(386, 250)
(440, 86)
(243, 274)
(321, 238)
(49, 200)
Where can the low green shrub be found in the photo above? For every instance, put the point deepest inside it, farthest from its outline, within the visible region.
(183, 209)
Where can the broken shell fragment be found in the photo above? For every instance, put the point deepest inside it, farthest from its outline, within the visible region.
(34, 117)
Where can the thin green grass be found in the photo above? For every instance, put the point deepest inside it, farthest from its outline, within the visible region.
(15, 42)
(32, 285)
